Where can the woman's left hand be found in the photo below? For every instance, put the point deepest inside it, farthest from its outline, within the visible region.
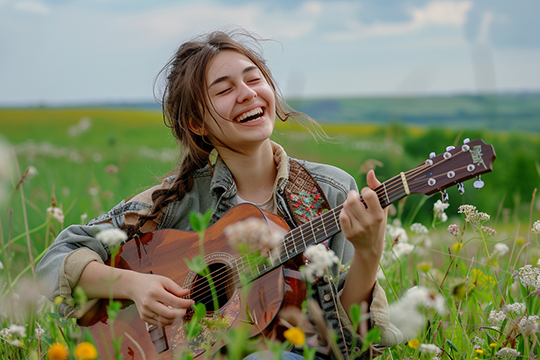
(365, 225)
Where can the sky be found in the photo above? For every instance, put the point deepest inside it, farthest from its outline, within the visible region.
(56, 52)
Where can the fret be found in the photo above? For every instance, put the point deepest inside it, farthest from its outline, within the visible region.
(294, 241)
(313, 232)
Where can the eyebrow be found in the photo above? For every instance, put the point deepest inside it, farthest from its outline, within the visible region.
(226, 77)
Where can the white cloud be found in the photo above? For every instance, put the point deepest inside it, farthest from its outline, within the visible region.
(437, 13)
(31, 6)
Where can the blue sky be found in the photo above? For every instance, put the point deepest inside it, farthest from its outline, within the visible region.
(69, 51)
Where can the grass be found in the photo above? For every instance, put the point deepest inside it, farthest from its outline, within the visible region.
(124, 151)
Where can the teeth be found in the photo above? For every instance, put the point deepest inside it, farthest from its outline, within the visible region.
(247, 114)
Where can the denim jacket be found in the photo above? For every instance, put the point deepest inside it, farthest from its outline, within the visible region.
(60, 269)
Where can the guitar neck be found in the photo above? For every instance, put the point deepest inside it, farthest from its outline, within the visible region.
(323, 227)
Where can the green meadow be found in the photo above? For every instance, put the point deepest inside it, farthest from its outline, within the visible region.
(86, 160)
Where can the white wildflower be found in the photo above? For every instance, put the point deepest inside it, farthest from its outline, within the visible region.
(253, 233)
(56, 213)
(488, 230)
(320, 259)
(529, 325)
(112, 238)
(507, 354)
(396, 233)
(39, 331)
(478, 341)
(17, 330)
(83, 218)
(472, 215)
(438, 210)
(536, 227)
(83, 125)
(408, 313)
(400, 249)
(453, 229)
(94, 191)
(527, 275)
(430, 348)
(517, 308)
(31, 172)
(496, 318)
(500, 249)
(419, 229)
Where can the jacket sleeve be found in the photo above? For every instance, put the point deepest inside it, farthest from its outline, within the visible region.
(61, 267)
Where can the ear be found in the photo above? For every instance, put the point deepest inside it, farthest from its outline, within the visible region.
(195, 128)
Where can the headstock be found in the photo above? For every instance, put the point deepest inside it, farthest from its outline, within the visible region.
(452, 167)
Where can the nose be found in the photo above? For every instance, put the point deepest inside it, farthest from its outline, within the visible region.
(245, 93)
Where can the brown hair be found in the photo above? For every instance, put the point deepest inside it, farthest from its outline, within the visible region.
(185, 103)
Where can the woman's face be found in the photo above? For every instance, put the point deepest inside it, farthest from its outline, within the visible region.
(243, 103)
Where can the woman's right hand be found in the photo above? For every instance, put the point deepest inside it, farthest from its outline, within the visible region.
(158, 298)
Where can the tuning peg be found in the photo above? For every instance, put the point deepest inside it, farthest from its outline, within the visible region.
(478, 184)
(432, 155)
(448, 148)
(466, 141)
(461, 188)
(444, 196)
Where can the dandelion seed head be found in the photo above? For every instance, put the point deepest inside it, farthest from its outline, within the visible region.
(400, 249)
(320, 259)
(419, 229)
(500, 249)
(396, 233)
(408, 313)
(56, 213)
(112, 238)
(253, 233)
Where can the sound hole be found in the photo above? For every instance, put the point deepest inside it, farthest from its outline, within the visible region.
(201, 290)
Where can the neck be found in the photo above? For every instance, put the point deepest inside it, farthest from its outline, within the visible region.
(254, 171)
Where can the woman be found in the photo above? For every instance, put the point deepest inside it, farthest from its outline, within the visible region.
(221, 97)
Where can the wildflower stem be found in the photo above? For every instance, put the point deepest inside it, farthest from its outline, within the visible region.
(29, 266)
(29, 233)
(531, 217)
(27, 230)
(389, 282)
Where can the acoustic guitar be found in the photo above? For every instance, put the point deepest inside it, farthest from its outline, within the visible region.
(273, 285)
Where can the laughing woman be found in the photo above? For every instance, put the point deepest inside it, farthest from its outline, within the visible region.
(220, 98)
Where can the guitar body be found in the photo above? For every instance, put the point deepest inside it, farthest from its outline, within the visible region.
(163, 252)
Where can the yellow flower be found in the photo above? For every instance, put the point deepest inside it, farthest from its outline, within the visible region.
(295, 335)
(492, 345)
(457, 246)
(479, 351)
(520, 240)
(414, 343)
(424, 266)
(85, 351)
(58, 351)
(58, 300)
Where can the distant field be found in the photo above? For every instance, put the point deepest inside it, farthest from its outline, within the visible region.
(496, 112)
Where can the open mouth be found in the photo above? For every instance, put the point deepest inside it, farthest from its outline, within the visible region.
(251, 115)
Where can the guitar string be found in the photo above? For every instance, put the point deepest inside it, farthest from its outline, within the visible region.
(395, 181)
